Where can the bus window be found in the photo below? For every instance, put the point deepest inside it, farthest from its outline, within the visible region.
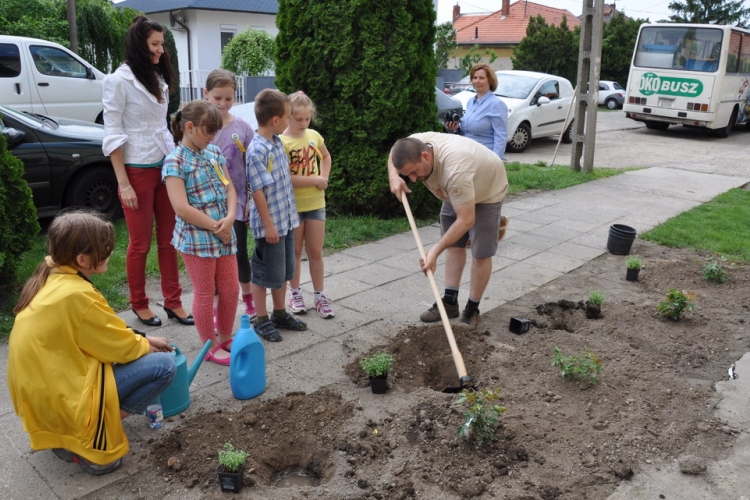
(733, 55)
(745, 54)
(696, 49)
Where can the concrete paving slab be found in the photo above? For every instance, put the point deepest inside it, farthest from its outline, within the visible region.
(376, 274)
(499, 262)
(534, 241)
(514, 250)
(372, 252)
(20, 481)
(527, 273)
(578, 250)
(538, 217)
(346, 319)
(555, 232)
(339, 287)
(555, 261)
(404, 241)
(6, 405)
(341, 262)
(321, 363)
(505, 289)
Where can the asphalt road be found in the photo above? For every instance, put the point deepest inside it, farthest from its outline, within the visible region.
(622, 143)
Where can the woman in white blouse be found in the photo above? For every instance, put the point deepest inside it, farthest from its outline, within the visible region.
(136, 97)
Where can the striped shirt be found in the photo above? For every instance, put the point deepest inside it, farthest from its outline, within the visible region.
(205, 192)
(268, 169)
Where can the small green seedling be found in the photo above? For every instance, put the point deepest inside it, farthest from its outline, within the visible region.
(377, 364)
(633, 262)
(676, 303)
(583, 367)
(231, 458)
(482, 416)
(714, 271)
(596, 298)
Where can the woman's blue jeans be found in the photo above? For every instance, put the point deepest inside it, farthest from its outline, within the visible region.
(140, 382)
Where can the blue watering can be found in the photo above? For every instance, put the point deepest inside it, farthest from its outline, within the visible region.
(176, 398)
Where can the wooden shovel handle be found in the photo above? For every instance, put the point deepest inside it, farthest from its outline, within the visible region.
(458, 360)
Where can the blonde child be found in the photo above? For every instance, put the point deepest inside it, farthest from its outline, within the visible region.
(204, 201)
(310, 166)
(233, 140)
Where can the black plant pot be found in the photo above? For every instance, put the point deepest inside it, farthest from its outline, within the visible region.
(632, 274)
(230, 481)
(379, 385)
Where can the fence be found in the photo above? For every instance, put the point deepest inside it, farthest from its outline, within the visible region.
(193, 82)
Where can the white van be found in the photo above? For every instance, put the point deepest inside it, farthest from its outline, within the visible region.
(46, 78)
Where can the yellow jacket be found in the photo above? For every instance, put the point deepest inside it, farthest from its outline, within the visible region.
(60, 377)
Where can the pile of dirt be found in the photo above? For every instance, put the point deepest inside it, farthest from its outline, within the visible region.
(559, 438)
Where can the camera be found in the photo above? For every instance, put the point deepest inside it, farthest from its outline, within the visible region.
(452, 116)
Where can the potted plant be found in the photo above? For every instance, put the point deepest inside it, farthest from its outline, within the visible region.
(376, 367)
(231, 468)
(633, 264)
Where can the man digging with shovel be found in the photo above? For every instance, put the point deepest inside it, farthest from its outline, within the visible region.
(471, 182)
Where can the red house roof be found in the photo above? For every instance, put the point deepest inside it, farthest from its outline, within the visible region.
(497, 28)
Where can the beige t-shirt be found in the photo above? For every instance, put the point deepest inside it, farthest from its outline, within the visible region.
(464, 170)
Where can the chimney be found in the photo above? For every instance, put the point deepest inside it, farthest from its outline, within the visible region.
(476, 32)
(506, 8)
(456, 12)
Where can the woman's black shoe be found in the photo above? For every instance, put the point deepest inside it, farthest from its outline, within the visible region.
(183, 321)
(155, 321)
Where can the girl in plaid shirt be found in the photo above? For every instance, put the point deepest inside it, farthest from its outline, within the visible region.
(205, 202)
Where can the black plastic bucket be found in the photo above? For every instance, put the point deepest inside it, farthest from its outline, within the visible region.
(620, 239)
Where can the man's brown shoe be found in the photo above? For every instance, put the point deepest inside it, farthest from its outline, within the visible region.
(470, 317)
(432, 314)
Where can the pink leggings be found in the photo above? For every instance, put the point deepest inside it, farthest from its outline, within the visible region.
(208, 276)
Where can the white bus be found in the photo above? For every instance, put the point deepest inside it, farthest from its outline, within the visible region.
(696, 75)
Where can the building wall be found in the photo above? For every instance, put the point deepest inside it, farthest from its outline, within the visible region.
(502, 62)
(205, 33)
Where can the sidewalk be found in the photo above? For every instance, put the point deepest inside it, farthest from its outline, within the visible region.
(377, 290)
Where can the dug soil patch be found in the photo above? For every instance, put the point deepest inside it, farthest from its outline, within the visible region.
(559, 438)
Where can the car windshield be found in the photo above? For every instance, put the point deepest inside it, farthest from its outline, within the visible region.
(513, 86)
(617, 86)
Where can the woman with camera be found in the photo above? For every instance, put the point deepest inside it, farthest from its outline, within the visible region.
(486, 116)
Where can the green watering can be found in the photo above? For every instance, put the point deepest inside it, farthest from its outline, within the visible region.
(176, 398)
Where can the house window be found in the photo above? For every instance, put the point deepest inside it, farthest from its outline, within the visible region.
(228, 31)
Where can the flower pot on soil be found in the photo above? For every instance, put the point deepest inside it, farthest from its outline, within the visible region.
(376, 367)
(634, 264)
(231, 468)
(620, 239)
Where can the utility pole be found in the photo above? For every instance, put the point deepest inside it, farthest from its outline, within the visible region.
(72, 26)
(587, 90)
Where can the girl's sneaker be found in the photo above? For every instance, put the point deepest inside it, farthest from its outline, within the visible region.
(247, 298)
(297, 303)
(323, 306)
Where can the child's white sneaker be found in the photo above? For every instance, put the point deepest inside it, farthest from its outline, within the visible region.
(323, 306)
(297, 303)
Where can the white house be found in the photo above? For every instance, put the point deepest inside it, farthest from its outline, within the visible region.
(202, 28)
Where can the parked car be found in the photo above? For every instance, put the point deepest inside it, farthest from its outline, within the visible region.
(63, 162)
(445, 104)
(462, 84)
(537, 106)
(46, 78)
(611, 94)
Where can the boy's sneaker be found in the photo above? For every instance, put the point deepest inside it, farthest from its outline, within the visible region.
(297, 303)
(323, 306)
(289, 322)
(432, 314)
(470, 317)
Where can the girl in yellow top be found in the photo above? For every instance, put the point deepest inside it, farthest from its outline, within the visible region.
(74, 368)
(310, 166)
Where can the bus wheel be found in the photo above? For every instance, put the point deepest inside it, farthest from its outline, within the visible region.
(656, 125)
(726, 130)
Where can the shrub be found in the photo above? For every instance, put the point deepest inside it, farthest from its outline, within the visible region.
(714, 271)
(584, 366)
(370, 70)
(377, 364)
(230, 458)
(596, 298)
(249, 53)
(633, 262)
(18, 222)
(676, 303)
(482, 417)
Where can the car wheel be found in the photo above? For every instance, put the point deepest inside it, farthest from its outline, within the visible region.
(520, 139)
(657, 125)
(567, 137)
(611, 103)
(724, 132)
(94, 188)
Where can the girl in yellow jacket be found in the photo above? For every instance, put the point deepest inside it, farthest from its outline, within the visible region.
(74, 368)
